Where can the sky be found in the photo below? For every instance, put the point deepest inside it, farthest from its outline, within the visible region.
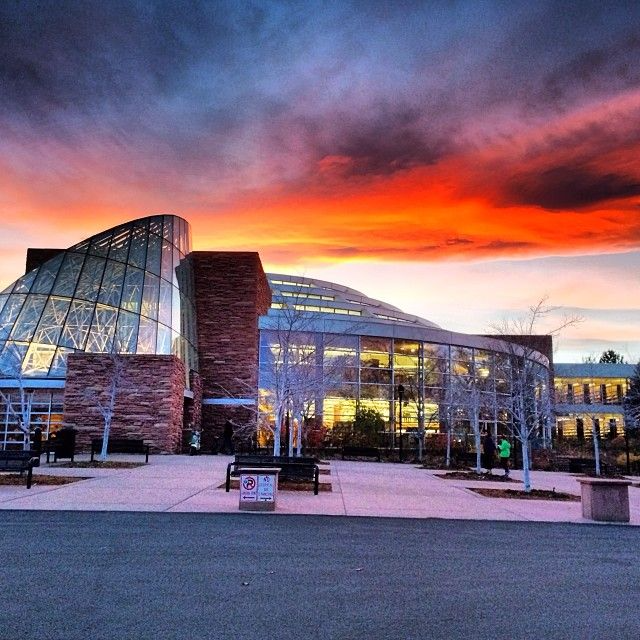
(460, 160)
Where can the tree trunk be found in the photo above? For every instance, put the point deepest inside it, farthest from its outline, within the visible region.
(299, 437)
(447, 461)
(105, 439)
(276, 432)
(26, 444)
(476, 434)
(290, 443)
(596, 446)
(526, 472)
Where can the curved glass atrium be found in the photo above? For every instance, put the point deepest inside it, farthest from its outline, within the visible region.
(126, 290)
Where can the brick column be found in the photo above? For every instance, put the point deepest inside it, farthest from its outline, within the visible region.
(231, 292)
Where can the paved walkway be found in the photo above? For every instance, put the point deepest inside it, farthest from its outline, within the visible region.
(193, 484)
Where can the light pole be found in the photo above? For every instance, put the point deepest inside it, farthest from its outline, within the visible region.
(400, 398)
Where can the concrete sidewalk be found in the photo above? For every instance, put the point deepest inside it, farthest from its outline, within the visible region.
(193, 484)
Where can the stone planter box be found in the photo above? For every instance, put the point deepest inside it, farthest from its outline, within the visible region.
(605, 500)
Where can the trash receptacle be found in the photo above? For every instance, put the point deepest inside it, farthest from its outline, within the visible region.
(258, 488)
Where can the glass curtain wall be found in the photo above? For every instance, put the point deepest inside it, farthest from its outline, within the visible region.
(46, 413)
(437, 380)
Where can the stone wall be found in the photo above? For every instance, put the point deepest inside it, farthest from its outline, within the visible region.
(149, 400)
(231, 292)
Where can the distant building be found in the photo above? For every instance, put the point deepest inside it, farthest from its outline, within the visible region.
(588, 395)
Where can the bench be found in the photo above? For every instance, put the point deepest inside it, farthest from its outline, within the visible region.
(120, 445)
(361, 452)
(19, 461)
(297, 469)
(59, 448)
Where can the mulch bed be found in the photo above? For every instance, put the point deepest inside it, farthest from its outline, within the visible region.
(287, 485)
(43, 479)
(470, 475)
(96, 464)
(534, 494)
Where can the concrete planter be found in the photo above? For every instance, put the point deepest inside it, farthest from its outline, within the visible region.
(605, 500)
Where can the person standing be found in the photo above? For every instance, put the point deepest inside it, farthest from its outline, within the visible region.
(504, 454)
(227, 438)
(489, 449)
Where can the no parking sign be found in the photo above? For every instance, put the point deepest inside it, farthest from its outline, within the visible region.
(258, 489)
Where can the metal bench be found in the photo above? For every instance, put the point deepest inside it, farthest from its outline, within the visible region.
(121, 445)
(19, 461)
(296, 469)
(361, 452)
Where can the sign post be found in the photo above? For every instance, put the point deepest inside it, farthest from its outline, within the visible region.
(258, 489)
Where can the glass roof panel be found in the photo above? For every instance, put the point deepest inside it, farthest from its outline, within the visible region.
(111, 287)
(132, 290)
(167, 260)
(100, 245)
(59, 362)
(76, 328)
(47, 274)
(10, 313)
(68, 275)
(38, 359)
(138, 249)
(28, 319)
(120, 245)
(52, 321)
(147, 336)
(153, 254)
(150, 296)
(127, 332)
(23, 285)
(90, 278)
(164, 340)
(100, 339)
(164, 311)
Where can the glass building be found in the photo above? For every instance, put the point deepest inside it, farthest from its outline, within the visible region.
(588, 396)
(358, 352)
(127, 290)
(138, 289)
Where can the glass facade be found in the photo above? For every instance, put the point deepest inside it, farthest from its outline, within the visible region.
(348, 372)
(126, 290)
(46, 413)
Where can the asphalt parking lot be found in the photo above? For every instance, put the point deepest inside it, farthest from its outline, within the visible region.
(92, 575)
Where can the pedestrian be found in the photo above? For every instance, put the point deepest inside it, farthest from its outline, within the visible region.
(504, 454)
(227, 438)
(194, 443)
(489, 448)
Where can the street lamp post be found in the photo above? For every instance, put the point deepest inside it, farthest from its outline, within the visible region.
(400, 398)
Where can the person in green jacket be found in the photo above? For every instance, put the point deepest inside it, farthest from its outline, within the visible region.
(504, 452)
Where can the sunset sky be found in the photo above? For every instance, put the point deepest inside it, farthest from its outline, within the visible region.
(459, 160)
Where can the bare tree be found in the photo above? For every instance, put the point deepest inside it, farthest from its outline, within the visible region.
(298, 374)
(11, 369)
(528, 406)
(467, 395)
(105, 400)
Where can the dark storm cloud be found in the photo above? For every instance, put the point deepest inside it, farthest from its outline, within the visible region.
(235, 86)
(570, 187)
(395, 141)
